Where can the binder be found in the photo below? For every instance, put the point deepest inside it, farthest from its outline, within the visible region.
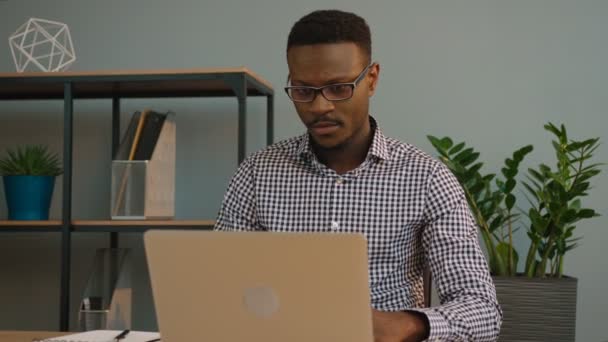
(153, 124)
(142, 145)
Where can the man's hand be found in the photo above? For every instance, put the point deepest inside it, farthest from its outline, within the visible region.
(399, 326)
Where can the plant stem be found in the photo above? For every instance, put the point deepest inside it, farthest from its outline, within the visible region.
(560, 267)
(542, 268)
(511, 268)
(497, 265)
(531, 260)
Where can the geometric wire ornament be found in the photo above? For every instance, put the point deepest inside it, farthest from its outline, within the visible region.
(44, 44)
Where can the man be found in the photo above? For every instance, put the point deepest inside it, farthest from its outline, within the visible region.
(344, 175)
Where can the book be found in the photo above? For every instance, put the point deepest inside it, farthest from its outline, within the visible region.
(106, 336)
(149, 135)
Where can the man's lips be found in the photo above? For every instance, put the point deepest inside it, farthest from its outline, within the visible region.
(324, 127)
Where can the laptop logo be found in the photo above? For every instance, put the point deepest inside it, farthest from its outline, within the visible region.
(261, 301)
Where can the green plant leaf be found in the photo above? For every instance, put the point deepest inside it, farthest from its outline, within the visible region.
(473, 170)
(576, 204)
(569, 215)
(509, 173)
(510, 185)
(573, 146)
(456, 148)
(496, 222)
(564, 135)
(579, 189)
(477, 188)
(510, 201)
(438, 146)
(488, 178)
(589, 142)
(469, 159)
(500, 185)
(592, 149)
(463, 154)
(519, 155)
(553, 129)
(33, 160)
(538, 224)
(579, 159)
(446, 143)
(584, 176)
(586, 213)
(434, 141)
(545, 171)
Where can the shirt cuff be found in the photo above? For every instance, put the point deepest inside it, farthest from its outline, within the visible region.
(439, 329)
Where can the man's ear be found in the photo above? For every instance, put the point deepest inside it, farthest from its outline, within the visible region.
(374, 74)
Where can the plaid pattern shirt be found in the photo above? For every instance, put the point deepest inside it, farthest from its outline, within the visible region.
(409, 206)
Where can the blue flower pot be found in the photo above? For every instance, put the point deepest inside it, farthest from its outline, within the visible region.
(28, 197)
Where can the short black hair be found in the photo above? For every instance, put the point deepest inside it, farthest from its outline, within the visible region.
(331, 26)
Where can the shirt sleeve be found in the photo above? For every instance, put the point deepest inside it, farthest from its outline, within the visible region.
(469, 310)
(238, 210)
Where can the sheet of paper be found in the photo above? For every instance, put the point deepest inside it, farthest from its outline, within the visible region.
(105, 336)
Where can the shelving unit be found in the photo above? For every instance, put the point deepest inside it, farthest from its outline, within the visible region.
(239, 82)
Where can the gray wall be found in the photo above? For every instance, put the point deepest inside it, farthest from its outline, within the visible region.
(490, 72)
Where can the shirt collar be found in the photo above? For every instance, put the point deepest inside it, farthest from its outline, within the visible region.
(378, 148)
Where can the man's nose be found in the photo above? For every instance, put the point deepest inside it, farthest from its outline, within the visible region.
(320, 105)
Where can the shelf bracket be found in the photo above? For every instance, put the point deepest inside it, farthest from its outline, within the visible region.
(68, 121)
(238, 83)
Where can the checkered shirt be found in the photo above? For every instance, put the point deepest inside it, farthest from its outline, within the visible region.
(409, 206)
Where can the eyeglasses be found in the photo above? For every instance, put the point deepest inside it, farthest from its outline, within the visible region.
(331, 92)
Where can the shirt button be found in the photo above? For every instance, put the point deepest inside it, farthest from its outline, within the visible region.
(340, 180)
(334, 225)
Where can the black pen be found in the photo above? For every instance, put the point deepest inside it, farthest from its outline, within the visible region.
(121, 335)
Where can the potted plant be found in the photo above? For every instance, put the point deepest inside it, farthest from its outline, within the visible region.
(29, 178)
(540, 302)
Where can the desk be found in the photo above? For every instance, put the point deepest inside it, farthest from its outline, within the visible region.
(28, 336)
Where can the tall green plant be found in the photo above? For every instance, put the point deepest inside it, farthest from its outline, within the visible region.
(30, 160)
(556, 202)
(491, 203)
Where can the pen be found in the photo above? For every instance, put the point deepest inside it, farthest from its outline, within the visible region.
(121, 335)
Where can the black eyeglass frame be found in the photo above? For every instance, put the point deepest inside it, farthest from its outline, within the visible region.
(318, 90)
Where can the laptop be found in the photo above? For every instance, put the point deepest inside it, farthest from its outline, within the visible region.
(259, 286)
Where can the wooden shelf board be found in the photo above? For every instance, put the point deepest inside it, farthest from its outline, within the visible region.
(29, 223)
(129, 83)
(14, 226)
(149, 223)
(138, 226)
(18, 226)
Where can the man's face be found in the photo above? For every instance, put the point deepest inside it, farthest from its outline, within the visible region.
(332, 124)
